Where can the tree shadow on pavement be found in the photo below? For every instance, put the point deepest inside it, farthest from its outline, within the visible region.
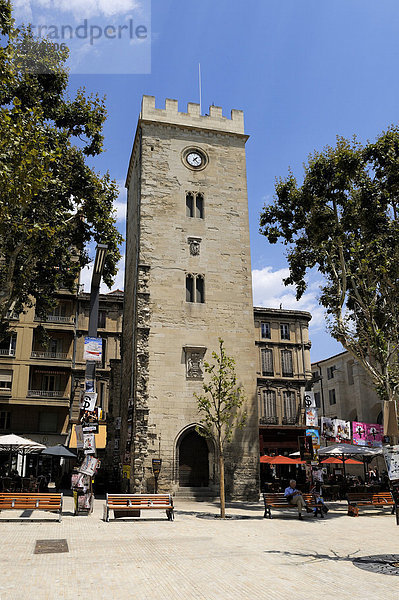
(314, 556)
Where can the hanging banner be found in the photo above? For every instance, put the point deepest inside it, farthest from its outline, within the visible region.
(93, 349)
(309, 400)
(367, 434)
(89, 465)
(88, 401)
(315, 437)
(374, 435)
(79, 436)
(391, 455)
(327, 428)
(311, 417)
(89, 443)
(342, 431)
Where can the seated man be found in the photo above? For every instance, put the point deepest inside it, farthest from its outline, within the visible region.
(294, 497)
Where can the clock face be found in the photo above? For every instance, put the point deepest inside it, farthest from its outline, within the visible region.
(194, 159)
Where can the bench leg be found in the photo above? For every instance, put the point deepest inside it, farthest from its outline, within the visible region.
(170, 514)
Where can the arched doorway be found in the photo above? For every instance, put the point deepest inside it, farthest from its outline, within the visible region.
(193, 460)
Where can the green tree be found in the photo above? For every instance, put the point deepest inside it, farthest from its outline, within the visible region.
(219, 408)
(52, 203)
(343, 221)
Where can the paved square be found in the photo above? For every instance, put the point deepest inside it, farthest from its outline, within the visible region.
(197, 558)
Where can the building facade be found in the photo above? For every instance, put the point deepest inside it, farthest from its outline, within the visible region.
(42, 368)
(283, 369)
(187, 283)
(343, 390)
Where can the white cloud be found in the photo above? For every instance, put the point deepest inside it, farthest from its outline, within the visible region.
(120, 203)
(85, 278)
(270, 291)
(84, 8)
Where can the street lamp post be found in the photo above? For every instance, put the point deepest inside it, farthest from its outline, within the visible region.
(90, 371)
(101, 251)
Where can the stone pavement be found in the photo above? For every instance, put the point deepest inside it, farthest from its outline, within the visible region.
(197, 558)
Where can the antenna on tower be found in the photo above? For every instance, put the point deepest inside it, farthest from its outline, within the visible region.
(199, 83)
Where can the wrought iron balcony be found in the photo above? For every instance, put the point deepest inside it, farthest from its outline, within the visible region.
(268, 420)
(56, 319)
(47, 394)
(49, 355)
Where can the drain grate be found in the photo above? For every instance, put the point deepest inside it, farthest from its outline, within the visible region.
(386, 564)
(51, 546)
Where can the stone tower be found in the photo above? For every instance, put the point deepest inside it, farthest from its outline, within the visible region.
(187, 283)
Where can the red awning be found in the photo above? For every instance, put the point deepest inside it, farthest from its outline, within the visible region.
(265, 458)
(284, 460)
(338, 461)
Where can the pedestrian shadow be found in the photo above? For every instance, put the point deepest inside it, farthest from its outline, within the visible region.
(312, 557)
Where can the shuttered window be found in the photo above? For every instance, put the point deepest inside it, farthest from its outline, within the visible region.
(286, 363)
(267, 362)
(269, 406)
(289, 407)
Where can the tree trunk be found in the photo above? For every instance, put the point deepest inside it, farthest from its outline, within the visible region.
(222, 498)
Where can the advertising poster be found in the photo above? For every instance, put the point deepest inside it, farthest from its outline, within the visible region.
(89, 465)
(315, 437)
(342, 430)
(88, 401)
(359, 433)
(374, 435)
(327, 428)
(126, 471)
(391, 455)
(93, 349)
(311, 417)
(79, 436)
(309, 400)
(89, 443)
(367, 434)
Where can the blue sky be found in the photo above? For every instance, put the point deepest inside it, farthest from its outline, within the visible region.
(303, 71)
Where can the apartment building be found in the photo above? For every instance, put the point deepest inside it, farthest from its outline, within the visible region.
(283, 368)
(344, 390)
(42, 368)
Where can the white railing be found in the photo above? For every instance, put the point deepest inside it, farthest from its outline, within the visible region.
(7, 352)
(46, 394)
(49, 355)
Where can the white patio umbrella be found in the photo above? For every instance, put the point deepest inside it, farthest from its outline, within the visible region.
(343, 449)
(12, 442)
(15, 444)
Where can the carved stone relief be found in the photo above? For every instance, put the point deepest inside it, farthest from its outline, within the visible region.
(195, 246)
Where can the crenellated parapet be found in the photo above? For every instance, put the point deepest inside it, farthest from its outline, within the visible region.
(192, 118)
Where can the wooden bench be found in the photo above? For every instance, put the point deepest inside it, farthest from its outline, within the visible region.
(278, 500)
(124, 503)
(379, 499)
(31, 501)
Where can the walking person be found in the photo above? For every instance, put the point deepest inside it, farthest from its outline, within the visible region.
(295, 497)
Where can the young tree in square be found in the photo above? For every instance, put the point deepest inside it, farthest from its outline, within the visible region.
(52, 203)
(343, 220)
(219, 407)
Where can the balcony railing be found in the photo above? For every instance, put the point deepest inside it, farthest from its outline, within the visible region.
(7, 352)
(49, 355)
(56, 319)
(46, 394)
(268, 421)
(296, 420)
